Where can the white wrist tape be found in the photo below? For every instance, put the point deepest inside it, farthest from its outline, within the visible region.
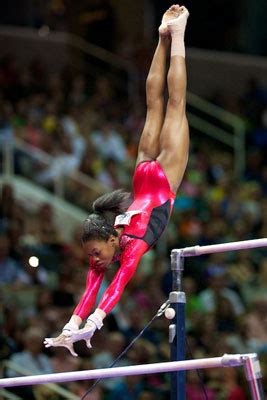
(70, 326)
(96, 319)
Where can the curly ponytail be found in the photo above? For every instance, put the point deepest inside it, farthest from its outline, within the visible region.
(99, 224)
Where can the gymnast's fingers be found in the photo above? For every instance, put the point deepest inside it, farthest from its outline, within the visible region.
(88, 343)
(71, 350)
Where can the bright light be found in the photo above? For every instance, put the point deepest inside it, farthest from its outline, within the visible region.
(34, 261)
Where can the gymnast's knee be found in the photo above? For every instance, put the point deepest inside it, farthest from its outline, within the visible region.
(176, 102)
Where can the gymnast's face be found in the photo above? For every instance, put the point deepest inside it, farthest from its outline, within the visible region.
(102, 251)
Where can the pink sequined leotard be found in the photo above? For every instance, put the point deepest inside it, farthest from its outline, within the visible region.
(144, 223)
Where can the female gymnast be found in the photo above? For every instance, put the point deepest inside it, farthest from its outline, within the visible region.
(112, 233)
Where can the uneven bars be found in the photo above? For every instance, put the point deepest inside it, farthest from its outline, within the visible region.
(227, 360)
(218, 248)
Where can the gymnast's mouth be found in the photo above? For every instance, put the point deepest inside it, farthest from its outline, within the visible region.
(101, 267)
(100, 264)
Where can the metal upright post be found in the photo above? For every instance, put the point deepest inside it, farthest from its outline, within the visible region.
(254, 376)
(177, 328)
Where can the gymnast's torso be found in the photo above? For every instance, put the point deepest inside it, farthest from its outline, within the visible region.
(149, 213)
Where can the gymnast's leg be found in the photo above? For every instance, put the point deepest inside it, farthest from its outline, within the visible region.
(174, 137)
(149, 147)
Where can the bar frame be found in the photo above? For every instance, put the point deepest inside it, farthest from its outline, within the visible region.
(227, 360)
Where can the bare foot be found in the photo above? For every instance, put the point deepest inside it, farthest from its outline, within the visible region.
(172, 13)
(180, 21)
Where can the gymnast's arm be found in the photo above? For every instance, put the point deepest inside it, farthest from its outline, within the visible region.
(128, 263)
(129, 260)
(69, 332)
(93, 282)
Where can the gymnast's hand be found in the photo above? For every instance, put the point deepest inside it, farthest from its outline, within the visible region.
(84, 333)
(94, 321)
(63, 340)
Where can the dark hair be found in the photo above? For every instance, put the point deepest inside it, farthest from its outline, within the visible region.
(99, 224)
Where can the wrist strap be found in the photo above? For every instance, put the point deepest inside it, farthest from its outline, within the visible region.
(96, 319)
(70, 326)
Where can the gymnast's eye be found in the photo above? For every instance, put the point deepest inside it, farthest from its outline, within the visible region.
(94, 254)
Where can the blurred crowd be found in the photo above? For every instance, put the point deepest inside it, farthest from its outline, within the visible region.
(88, 127)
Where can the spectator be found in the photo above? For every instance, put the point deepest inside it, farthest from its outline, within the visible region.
(105, 358)
(227, 386)
(30, 360)
(217, 285)
(130, 389)
(256, 326)
(108, 143)
(9, 268)
(195, 388)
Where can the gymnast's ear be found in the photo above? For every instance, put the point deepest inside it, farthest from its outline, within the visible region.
(112, 238)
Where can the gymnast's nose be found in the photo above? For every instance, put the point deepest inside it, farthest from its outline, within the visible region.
(97, 260)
